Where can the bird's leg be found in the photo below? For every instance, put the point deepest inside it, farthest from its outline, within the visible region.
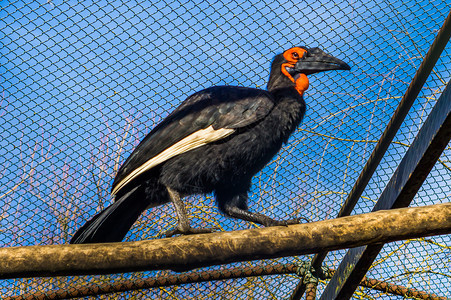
(183, 226)
(236, 212)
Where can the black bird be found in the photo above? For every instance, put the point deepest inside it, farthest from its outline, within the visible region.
(215, 141)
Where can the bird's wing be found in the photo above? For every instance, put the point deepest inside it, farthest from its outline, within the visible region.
(205, 117)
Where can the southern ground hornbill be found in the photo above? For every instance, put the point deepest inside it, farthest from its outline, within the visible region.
(215, 141)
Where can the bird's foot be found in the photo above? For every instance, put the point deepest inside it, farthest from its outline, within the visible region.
(189, 230)
(287, 222)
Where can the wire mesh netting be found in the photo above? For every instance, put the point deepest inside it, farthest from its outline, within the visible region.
(83, 83)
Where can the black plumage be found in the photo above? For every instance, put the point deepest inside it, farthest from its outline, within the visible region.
(215, 141)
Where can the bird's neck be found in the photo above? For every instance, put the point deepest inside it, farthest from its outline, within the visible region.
(287, 113)
(288, 94)
(300, 83)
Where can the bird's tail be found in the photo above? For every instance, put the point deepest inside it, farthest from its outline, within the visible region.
(113, 223)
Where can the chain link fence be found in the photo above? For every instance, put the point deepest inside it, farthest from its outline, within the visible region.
(83, 82)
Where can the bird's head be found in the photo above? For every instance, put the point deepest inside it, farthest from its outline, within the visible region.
(292, 67)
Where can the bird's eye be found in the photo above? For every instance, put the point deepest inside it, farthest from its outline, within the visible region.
(295, 55)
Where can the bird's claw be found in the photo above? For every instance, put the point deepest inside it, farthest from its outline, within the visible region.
(190, 230)
(288, 222)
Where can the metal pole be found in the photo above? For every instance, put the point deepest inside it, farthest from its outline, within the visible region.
(385, 140)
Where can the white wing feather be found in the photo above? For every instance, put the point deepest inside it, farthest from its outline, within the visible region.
(192, 141)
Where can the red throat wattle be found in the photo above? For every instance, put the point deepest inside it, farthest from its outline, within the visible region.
(302, 83)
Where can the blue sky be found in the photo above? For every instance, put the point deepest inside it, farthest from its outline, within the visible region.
(83, 82)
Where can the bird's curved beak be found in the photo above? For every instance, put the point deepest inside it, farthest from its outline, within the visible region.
(316, 60)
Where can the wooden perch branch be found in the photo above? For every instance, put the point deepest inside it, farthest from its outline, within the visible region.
(188, 252)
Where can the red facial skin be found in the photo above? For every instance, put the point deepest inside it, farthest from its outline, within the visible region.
(292, 56)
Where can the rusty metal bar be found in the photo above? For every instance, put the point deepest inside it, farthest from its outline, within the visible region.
(83, 289)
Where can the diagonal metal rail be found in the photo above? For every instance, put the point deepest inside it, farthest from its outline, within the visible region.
(384, 142)
(416, 165)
